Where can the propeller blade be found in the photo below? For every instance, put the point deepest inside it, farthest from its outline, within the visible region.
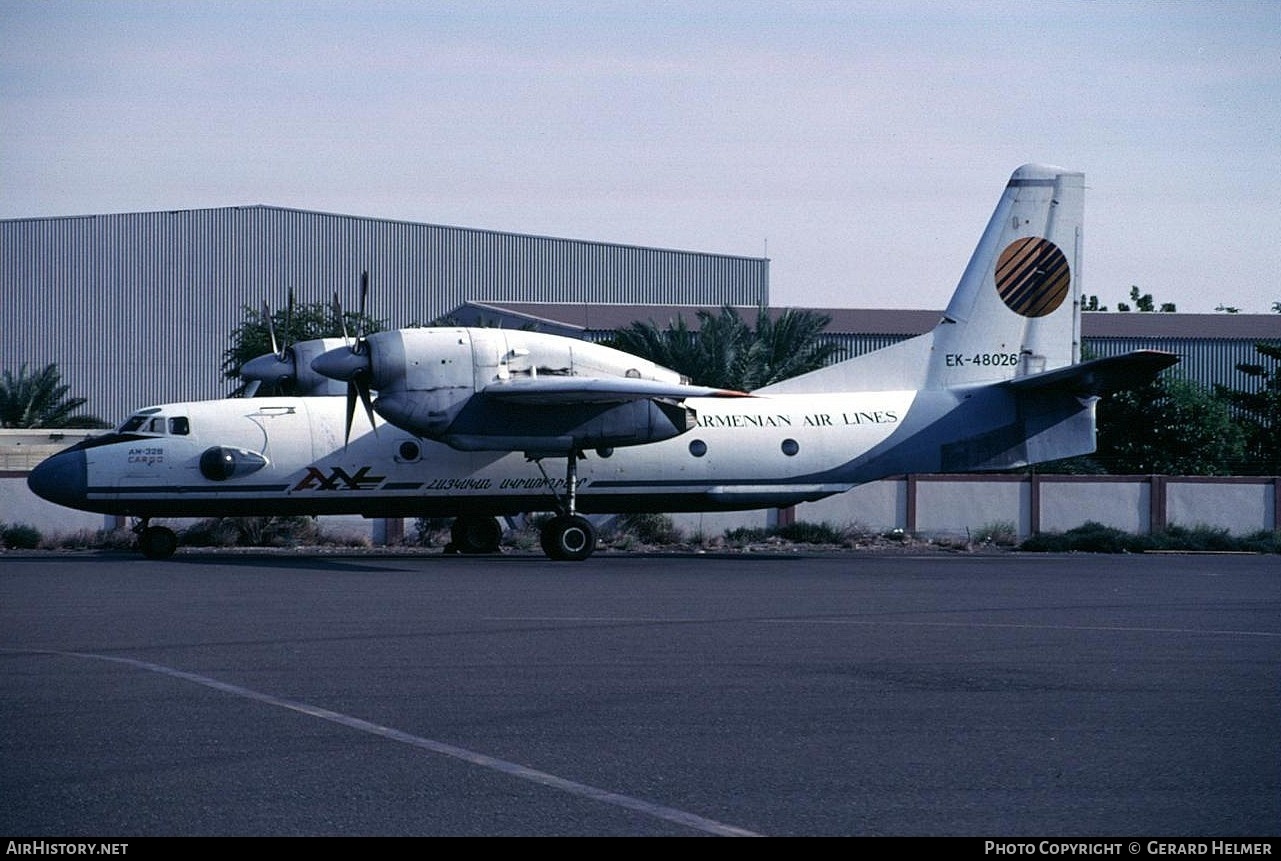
(351, 413)
(289, 324)
(364, 295)
(342, 322)
(362, 387)
(271, 328)
(357, 388)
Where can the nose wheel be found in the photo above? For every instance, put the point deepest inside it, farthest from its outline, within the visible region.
(567, 537)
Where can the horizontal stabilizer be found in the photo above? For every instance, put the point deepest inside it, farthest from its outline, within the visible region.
(1100, 376)
(597, 390)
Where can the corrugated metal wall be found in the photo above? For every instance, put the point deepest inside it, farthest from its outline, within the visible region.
(137, 308)
(1205, 361)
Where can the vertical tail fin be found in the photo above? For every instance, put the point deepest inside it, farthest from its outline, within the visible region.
(1016, 310)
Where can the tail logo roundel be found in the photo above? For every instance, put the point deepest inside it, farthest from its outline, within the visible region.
(1032, 276)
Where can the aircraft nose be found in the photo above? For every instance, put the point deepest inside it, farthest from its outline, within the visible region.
(62, 478)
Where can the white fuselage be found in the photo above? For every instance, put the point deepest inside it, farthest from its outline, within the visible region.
(742, 453)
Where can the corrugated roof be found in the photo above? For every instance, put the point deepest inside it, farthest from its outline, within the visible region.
(376, 220)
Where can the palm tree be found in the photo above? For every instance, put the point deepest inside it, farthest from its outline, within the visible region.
(725, 352)
(39, 400)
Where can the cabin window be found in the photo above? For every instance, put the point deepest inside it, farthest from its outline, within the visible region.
(698, 448)
(179, 426)
(790, 447)
(156, 425)
(133, 424)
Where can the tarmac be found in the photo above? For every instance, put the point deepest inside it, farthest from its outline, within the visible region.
(640, 694)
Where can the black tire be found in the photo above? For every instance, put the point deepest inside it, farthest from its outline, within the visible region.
(476, 534)
(568, 538)
(157, 542)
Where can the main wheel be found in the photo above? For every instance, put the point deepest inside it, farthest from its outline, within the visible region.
(476, 534)
(157, 542)
(568, 538)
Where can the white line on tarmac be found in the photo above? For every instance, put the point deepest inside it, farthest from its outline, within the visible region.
(1124, 629)
(511, 769)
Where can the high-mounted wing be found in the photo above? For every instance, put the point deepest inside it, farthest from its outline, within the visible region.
(493, 390)
(587, 390)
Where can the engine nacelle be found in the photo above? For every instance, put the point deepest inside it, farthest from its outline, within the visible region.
(295, 368)
(419, 360)
(489, 425)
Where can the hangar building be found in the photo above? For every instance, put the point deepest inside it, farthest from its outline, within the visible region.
(137, 308)
(1210, 345)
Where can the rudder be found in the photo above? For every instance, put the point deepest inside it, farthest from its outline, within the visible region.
(1015, 311)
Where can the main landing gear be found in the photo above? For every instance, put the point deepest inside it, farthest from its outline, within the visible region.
(567, 537)
(155, 542)
(474, 534)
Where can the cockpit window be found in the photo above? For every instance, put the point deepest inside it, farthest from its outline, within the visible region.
(148, 422)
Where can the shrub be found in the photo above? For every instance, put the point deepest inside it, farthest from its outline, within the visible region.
(1089, 537)
(649, 528)
(1263, 541)
(804, 532)
(215, 532)
(252, 532)
(19, 536)
(748, 535)
(1001, 532)
(1097, 538)
(428, 531)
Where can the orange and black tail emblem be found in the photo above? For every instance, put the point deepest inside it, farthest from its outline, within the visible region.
(1033, 276)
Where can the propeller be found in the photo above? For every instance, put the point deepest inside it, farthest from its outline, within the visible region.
(280, 364)
(354, 364)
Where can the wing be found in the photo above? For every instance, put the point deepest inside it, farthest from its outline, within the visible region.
(596, 390)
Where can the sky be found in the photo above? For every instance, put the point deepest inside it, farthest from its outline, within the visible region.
(861, 146)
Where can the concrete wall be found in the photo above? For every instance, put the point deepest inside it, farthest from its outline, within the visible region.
(928, 505)
(933, 505)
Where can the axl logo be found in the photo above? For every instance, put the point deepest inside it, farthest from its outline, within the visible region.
(338, 479)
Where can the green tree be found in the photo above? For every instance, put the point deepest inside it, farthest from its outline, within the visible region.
(1170, 426)
(728, 353)
(1258, 406)
(1144, 302)
(251, 337)
(39, 400)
